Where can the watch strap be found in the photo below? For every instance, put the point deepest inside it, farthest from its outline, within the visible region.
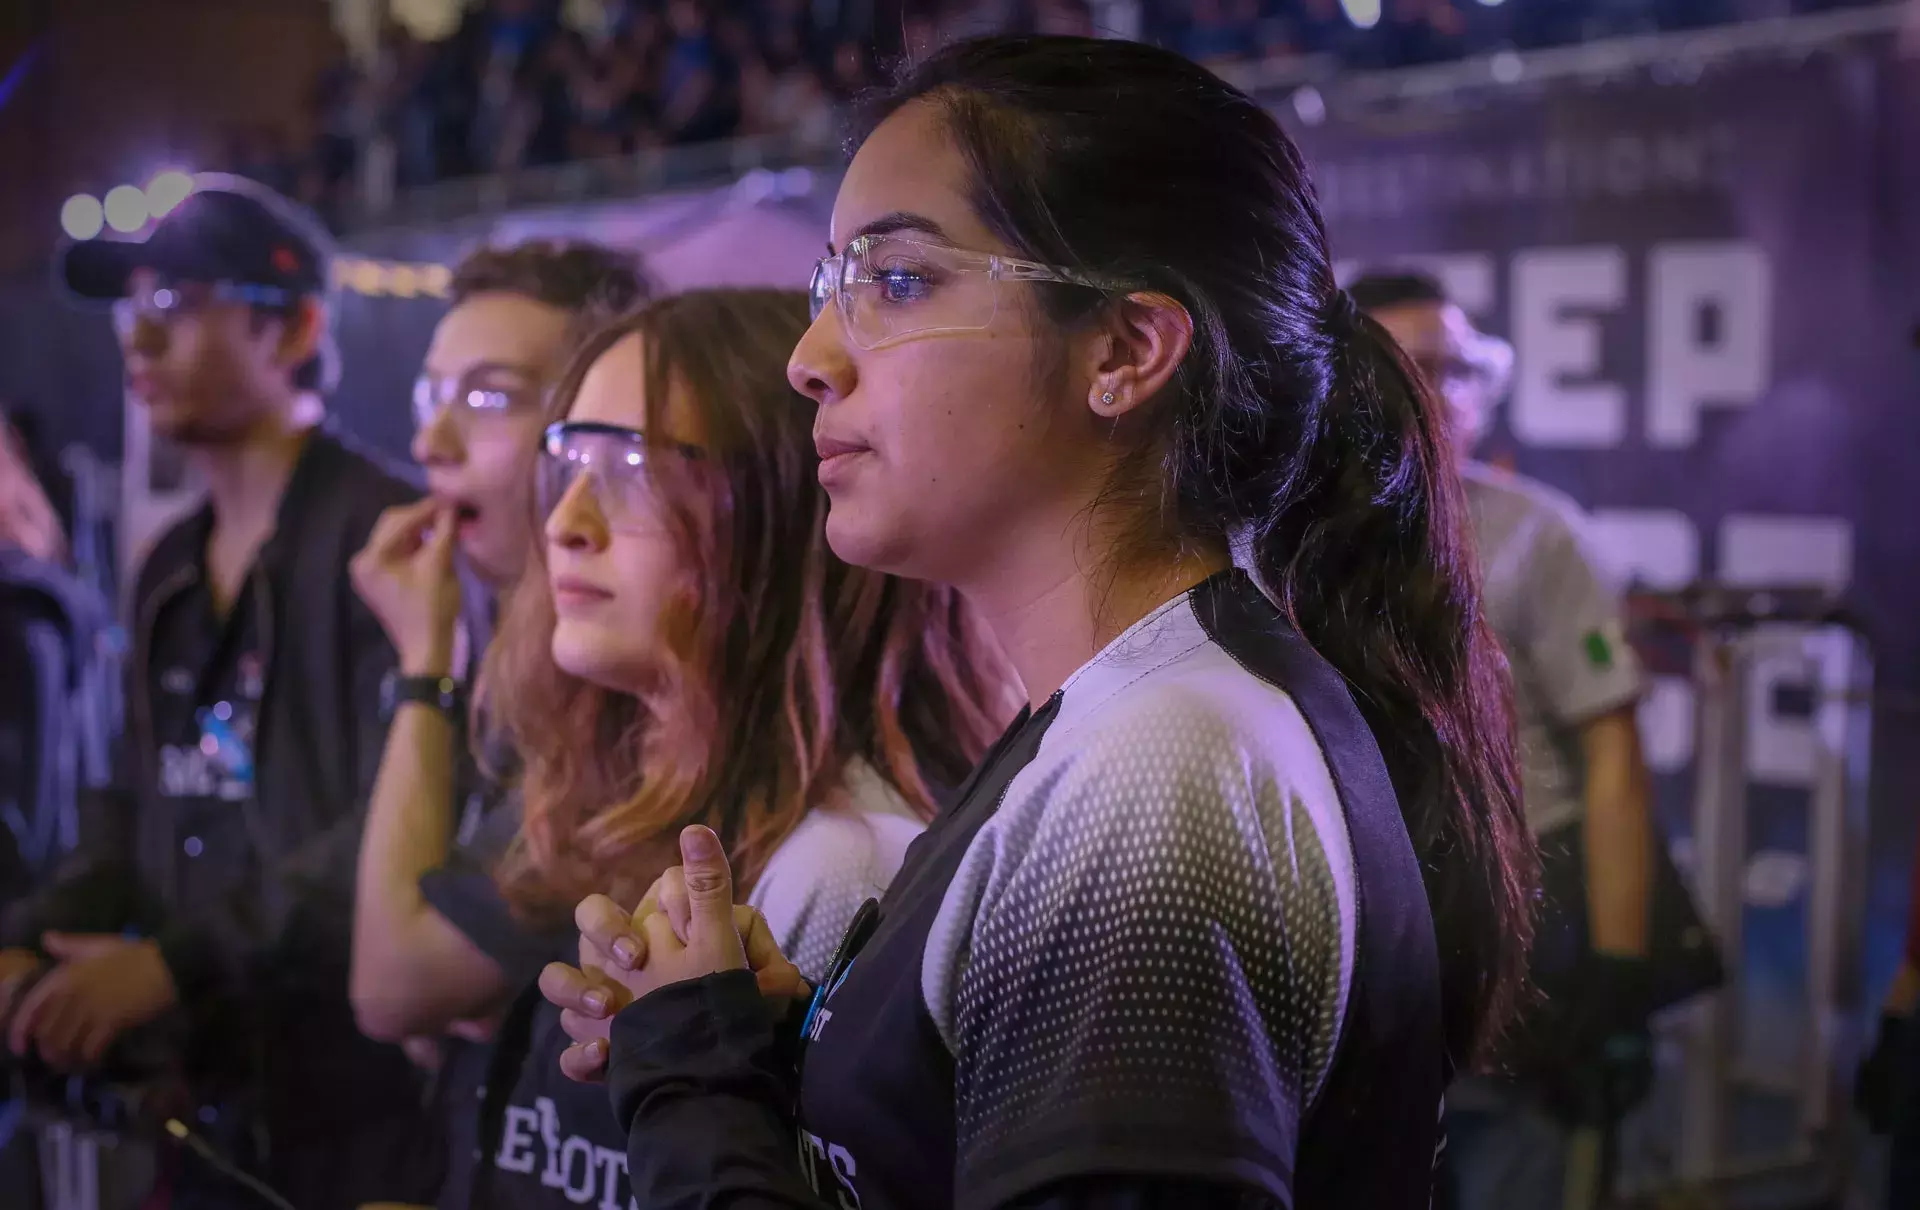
(444, 693)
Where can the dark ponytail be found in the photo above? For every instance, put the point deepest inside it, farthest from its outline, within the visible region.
(1295, 431)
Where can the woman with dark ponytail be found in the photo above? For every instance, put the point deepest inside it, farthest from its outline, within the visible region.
(1218, 917)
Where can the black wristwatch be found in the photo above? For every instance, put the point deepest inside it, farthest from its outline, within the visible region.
(443, 693)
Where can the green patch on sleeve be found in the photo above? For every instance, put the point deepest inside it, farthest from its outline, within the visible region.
(1599, 650)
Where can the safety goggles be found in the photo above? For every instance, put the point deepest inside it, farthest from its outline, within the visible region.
(1477, 377)
(617, 462)
(888, 287)
(477, 395)
(160, 303)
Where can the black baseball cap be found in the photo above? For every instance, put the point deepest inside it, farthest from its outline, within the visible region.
(229, 229)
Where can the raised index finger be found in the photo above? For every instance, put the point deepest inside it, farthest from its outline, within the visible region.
(399, 527)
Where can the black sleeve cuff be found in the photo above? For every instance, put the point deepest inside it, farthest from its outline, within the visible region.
(716, 1034)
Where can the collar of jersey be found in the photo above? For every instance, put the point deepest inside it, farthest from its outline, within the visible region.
(1169, 632)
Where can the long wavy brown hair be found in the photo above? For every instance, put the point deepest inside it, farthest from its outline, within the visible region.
(778, 663)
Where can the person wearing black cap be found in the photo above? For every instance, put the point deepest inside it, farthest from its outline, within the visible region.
(200, 951)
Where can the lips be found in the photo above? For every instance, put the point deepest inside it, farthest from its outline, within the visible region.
(572, 592)
(838, 458)
(830, 448)
(446, 492)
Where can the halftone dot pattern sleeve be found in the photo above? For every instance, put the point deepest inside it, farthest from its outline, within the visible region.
(1143, 961)
(838, 858)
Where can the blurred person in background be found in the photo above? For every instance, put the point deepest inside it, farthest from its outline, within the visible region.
(198, 947)
(1558, 613)
(479, 407)
(683, 648)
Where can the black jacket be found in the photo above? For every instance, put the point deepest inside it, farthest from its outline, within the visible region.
(273, 1017)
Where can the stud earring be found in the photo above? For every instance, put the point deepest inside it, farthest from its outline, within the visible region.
(1106, 397)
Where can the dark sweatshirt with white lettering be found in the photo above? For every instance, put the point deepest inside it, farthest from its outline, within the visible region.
(542, 1142)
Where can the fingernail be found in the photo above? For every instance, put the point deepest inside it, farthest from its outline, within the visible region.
(625, 950)
(596, 1050)
(699, 844)
(597, 1001)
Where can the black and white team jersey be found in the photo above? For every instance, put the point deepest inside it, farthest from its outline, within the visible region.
(539, 1141)
(1169, 948)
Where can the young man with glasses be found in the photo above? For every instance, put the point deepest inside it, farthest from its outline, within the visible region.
(199, 950)
(436, 825)
(1557, 611)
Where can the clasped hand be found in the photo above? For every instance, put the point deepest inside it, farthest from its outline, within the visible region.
(102, 986)
(688, 926)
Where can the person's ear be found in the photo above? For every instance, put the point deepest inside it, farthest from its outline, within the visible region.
(1143, 339)
(302, 335)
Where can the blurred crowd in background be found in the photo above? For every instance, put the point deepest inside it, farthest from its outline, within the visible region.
(526, 83)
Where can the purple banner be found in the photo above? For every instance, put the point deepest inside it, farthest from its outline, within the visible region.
(1715, 349)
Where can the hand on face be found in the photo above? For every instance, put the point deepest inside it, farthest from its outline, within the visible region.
(405, 575)
(688, 926)
(103, 986)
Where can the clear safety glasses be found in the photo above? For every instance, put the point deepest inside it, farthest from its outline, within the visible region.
(1476, 378)
(892, 286)
(160, 303)
(482, 392)
(617, 462)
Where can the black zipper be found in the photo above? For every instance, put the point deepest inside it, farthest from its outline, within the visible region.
(143, 736)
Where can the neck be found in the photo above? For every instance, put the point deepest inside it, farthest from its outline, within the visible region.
(245, 478)
(1054, 605)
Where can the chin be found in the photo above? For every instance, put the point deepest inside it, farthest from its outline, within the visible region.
(170, 425)
(192, 433)
(489, 560)
(877, 543)
(853, 540)
(594, 655)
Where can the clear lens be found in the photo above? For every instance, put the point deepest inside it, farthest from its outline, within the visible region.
(615, 462)
(822, 288)
(475, 398)
(426, 401)
(893, 287)
(890, 286)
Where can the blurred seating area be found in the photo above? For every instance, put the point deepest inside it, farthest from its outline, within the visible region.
(513, 84)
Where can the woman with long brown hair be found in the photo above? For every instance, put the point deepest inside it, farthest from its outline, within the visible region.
(1217, 919)
(686, 649)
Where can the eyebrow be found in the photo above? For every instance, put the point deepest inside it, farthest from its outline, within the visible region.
(896, 221)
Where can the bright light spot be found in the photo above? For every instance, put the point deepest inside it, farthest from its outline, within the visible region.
(167, 190)
(1491, 3)
(126, 208)
(797, 182)
(1363, 13)
(1507, 67)
(1310, 105)
(82, 217)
